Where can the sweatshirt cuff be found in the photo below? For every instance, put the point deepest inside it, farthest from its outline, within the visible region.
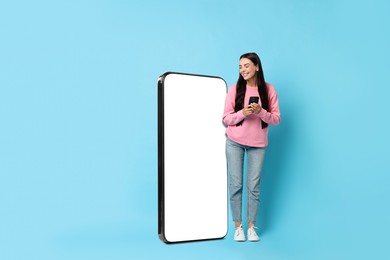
(262, 113)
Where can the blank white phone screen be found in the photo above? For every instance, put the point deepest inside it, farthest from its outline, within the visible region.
(194, 173)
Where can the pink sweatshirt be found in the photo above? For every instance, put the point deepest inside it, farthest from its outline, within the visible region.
(250, 132)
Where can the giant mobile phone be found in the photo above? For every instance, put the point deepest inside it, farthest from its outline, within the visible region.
(192, 172)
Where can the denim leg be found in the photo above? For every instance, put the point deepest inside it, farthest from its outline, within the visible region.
(255, 159)
(235, 163)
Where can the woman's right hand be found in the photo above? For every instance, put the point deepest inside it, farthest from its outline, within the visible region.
(247, 111)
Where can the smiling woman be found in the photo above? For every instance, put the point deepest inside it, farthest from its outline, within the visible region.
(247, 133)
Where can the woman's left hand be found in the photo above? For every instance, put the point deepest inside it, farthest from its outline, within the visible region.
(256, 108)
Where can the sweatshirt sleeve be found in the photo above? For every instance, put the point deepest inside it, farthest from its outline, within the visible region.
(229, 116)
(273, 115)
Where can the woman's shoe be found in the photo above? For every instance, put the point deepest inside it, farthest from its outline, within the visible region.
(252, 236)
(239, 234)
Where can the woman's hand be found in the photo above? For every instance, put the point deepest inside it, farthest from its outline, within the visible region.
(256, 108)
(247, 111)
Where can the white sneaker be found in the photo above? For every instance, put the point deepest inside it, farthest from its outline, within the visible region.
(239, 234)
(252, 236)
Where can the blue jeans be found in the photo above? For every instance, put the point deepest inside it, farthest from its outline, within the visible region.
(235, 163)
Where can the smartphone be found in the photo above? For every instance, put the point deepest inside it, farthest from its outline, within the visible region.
(253, 100)
(192, 172)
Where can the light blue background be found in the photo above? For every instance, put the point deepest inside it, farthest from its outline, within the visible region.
(78, 117)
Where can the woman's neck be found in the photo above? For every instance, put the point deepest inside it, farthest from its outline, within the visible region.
(251, 82)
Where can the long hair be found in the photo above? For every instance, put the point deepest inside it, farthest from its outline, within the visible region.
(261, 87)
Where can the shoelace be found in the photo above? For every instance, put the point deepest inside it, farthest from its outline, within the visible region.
(252, 229)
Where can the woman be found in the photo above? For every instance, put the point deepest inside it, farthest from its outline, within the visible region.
(247, 132)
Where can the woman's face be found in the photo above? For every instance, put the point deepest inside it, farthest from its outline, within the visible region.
(248, 69)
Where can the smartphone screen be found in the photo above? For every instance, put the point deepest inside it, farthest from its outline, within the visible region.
(253, 100)
(192, 173)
